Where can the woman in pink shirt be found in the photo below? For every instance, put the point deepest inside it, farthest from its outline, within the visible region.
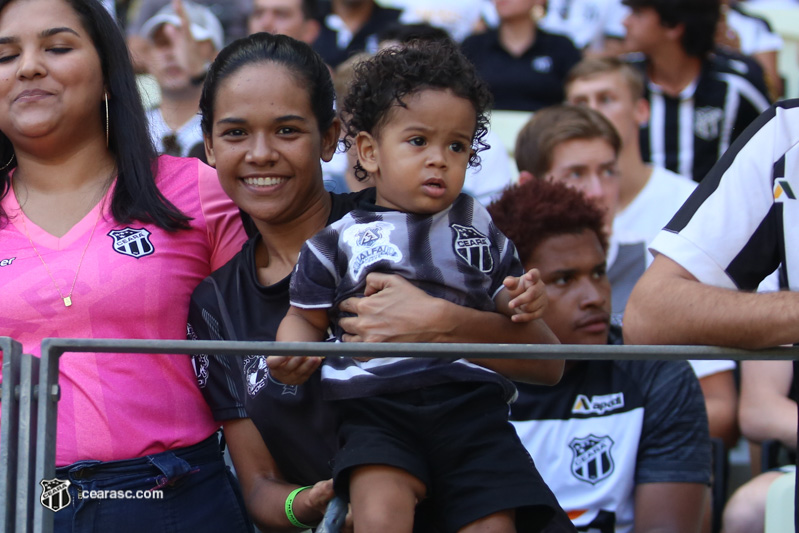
(102, 238)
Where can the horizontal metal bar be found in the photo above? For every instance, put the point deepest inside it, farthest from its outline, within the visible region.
(444, 350)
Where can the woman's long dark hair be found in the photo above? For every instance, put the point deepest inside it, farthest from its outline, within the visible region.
(135, 196)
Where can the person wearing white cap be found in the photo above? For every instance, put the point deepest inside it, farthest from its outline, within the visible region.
(183, 38)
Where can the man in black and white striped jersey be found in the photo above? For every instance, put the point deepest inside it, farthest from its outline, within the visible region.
(700, 100)
(736, 228)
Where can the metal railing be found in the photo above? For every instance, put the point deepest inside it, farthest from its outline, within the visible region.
(30, 392)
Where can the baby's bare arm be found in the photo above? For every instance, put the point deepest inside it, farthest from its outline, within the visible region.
(299, 325)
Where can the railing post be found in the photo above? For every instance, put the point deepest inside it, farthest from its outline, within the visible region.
(49, 394)
(9, 431)
(26, 443)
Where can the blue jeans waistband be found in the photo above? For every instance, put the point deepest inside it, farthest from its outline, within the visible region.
(171, 464)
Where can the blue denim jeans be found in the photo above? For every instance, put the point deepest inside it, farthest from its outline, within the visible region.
(200, 494)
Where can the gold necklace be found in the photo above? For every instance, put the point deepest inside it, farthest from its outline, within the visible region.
(68, 298)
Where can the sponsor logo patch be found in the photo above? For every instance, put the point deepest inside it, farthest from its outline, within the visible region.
(598, 404)
(783, 191)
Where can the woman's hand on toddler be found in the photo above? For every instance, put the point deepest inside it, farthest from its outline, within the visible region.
(292, 370)
(528, 297)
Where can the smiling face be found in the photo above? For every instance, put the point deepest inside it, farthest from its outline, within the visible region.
(265, 143)
(588, 165)
(572, 266)
(419, 154)
(51, 81)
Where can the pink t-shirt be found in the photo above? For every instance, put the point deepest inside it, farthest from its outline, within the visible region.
(135, 283)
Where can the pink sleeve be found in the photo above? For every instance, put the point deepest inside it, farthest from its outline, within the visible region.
(222, 220)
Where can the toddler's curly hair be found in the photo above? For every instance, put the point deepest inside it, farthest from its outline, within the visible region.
(383, 81)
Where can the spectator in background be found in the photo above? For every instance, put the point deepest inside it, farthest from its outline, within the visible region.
(751, 36)
(574, 145)
(339, 173)
(594, 26)
(351, 26)
(232, 14)
(767, 411)
(459, 18)
(648, 198)
(738, 227)
(578, 147)
(700, 102)
(184, 38)
(622, 444)
(523, 65)
(295, 18)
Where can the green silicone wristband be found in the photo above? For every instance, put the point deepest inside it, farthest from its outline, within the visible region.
(290, 508)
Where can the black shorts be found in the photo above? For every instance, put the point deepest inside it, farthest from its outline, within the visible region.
(457, 440)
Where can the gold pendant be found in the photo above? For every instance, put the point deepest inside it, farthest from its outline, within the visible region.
(67, 301)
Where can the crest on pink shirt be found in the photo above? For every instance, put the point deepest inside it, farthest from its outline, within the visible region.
(133, 242)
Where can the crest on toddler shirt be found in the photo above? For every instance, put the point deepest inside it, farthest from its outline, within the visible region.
(473, 247)
(133, 242)
(370, 243)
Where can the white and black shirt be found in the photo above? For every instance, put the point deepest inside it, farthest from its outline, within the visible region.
(609, 426)
(457, 254)
(687, 134)
(739, 225)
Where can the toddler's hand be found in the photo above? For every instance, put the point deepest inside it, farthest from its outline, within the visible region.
(528, 296)
(292, 370)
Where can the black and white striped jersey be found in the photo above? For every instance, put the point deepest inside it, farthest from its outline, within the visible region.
(457, 254)
(687, 134)
(740, 223)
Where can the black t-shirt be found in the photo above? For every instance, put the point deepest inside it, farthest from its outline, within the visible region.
(530, 81)
(296, 425)
(365, 39)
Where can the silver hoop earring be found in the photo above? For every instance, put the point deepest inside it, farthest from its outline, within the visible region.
(105, 97)
(9, 162)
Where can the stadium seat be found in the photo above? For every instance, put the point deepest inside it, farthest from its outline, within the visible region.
(507, 124)
(780, 505)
